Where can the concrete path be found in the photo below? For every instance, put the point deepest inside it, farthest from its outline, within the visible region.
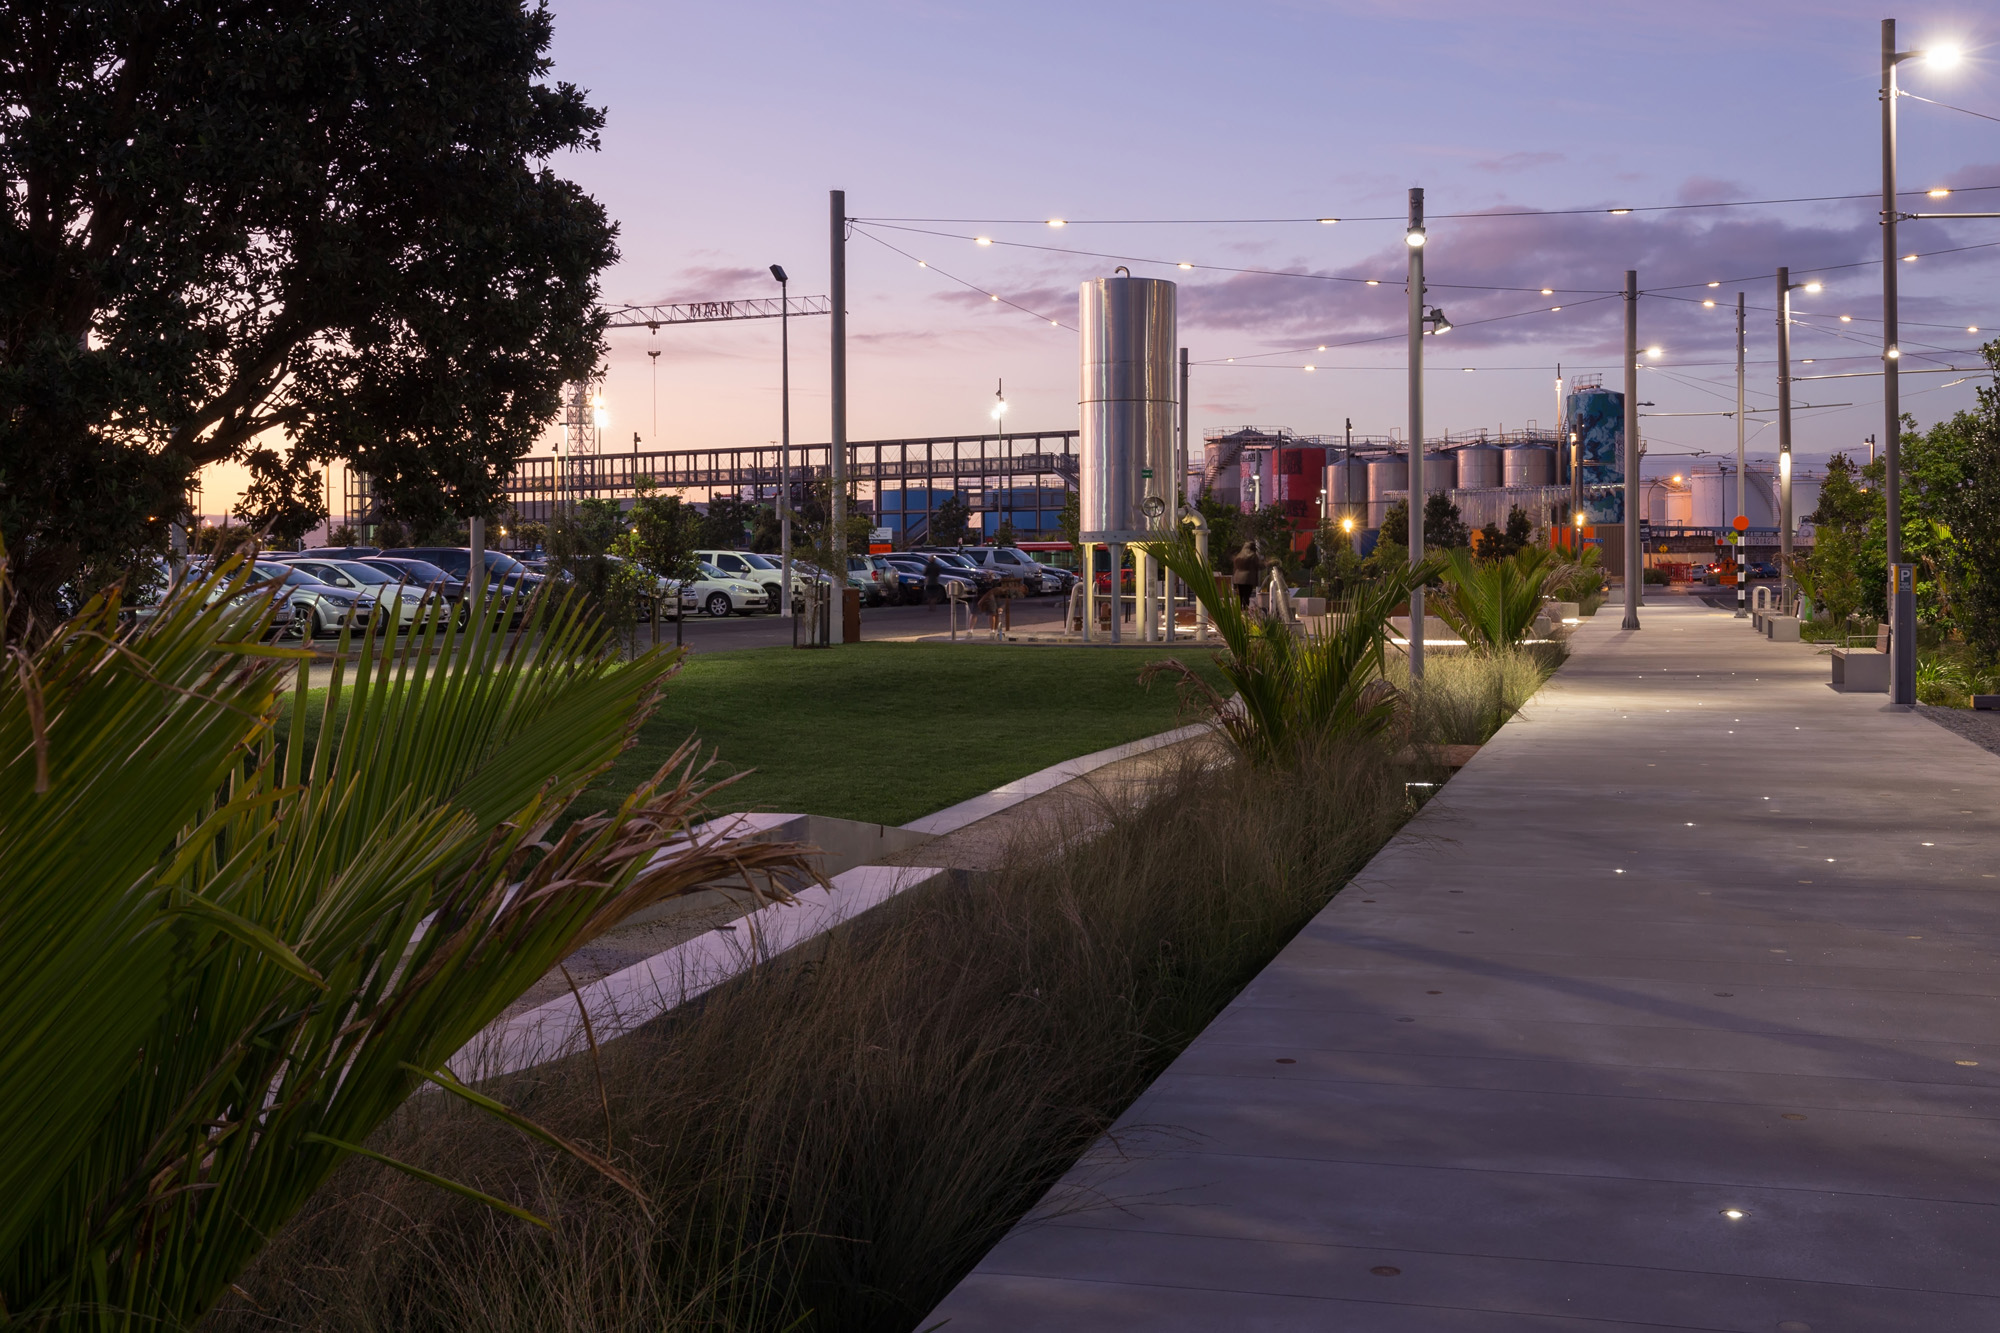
(1677, 1009)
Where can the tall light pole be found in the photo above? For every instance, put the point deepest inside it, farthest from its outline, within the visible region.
(1902, 621)
(784, 440)
(1000, 445)
(1414, 238)
(837, 301)
(1742, 588)
(1785, 289)
(1632, 575)
(654, 357)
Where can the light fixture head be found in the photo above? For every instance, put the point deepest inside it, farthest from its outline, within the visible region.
(1618, 212)
(1943, 57)
(600, 418)
(1347, 525)
(1894, 354)
(1374, 282)
(1328, 222)
(1579, 518)
(1654, 352)
(1548, 291)
(1909, 259)
(1154, 506)
(1311, 368)
(1715, 284)
(1414, 239)
(1972, 328)
(1185, 264)
(1058, 222)
(1815, 286)
(983, 240)
(1939, 193)
(1847, 319)
(778, 272)
(1709, 304)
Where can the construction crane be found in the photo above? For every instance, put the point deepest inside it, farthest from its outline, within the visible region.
(703, 312)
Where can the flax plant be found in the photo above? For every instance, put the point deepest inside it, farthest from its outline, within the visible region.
(224, 962)
(1292, 690)
(1492, 603)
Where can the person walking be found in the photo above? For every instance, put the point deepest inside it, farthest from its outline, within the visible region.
(933, 585)
(1246, 567)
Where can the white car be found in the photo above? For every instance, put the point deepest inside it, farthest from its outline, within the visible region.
(750, 567)
(389, 597)
(719, 594)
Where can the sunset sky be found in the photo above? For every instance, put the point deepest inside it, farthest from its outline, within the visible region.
(728, 124)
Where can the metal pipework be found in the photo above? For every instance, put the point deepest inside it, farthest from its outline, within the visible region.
(1128, 407)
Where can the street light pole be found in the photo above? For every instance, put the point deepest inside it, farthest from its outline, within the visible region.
(1414, 238)
(1743, 589)
(1784, 439)
(837, 302)
(784, 440)
(1892, 408)
(1632, 574)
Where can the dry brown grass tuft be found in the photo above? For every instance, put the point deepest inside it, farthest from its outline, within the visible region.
(830, 1144)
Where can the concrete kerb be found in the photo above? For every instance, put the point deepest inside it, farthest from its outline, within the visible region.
(633, 996)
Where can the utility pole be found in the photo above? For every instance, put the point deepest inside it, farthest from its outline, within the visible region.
(1742, 588)
(784, 441)
(837, 295)
(1784, 439)
(654, 357)
(1632, 575)
(1414, 238)
(1892, 407)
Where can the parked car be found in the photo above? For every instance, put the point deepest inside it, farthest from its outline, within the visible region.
(504, 574)
(398, 599)
(420, 572)
(949, 576)
(1016, 563)
(957, 562)
(316, 609)
(752, 567)
(157, 583)
(719, 594)
(327, 553)
(868, 577)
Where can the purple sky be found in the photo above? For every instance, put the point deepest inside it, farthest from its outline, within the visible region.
(729, 123)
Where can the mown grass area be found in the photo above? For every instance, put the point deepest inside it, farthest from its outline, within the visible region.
(887, 732)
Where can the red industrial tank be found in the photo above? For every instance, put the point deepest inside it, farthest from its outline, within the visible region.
(1301, 475)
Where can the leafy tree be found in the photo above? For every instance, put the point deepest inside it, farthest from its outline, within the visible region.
(342, 535)
(728, 523)
(1490, 542)
(1520, 532)
(1005, 535)
(1225, 529)
(1444, 526)
(1070, 522)
(283, 501)
(950, 521)
(331, 220)
(664, 536)
(1968, 513)
(1396, 525)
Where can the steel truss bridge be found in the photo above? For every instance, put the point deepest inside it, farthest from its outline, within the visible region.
(990, 471)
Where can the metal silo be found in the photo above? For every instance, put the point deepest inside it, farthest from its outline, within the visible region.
(1479, 467)
(1388, 482)
(1347, 491)
(1440, 472)
(1529, 465)
(1127, 406)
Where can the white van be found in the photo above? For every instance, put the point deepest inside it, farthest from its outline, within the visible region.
(1016, 563)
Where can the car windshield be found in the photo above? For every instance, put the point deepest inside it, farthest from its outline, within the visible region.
(711, 572)
(758, 561)
(292, 577)
(416, 569)
(954, 560)
(361, 573)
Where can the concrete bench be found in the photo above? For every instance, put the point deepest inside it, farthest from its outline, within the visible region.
(1863, 670)
(1781, 629)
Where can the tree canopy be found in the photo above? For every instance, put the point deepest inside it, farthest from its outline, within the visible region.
(330, 222)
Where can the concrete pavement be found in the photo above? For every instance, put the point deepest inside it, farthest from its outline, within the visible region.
(1676, 1009)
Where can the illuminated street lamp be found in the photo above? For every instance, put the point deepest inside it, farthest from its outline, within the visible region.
(1785, 289)
(784, 441)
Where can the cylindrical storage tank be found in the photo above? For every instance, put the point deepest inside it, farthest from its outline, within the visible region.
(1127, 408)
(1528, 465)
(1715, 498)
(1347, 491)
(1301, 473)
(1390, 473)
(1479, 468)
(1805, 495)
(1440, 472)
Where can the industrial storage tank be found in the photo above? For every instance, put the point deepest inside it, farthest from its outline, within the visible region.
(1347, 491)
(1479, 467)
(1529, 465)
(1388, 481)
(1301, 471)
(1440, 472)
(1127, 407)
(1715, 498)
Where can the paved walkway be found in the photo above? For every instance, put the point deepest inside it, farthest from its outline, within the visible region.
(1677, 1009)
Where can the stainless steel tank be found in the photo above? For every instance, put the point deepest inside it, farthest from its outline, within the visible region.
(1529, 465)
(1715, 498)
(1128, 408)
(1440, 472)
(1479, 467)
(1346, 490)
(1388, 482)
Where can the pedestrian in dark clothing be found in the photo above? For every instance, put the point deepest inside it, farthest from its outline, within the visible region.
(1247, 566)
(933, 584)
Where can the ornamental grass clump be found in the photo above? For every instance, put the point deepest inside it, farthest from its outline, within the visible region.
(831, 1143)
(223, 965)
(1292, 692)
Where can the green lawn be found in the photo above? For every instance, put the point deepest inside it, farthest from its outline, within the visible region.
(887, 732)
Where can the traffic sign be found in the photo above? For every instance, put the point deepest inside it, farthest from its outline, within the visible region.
(1742, 523)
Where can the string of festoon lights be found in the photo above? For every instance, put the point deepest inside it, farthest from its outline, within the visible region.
(1261, 360)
